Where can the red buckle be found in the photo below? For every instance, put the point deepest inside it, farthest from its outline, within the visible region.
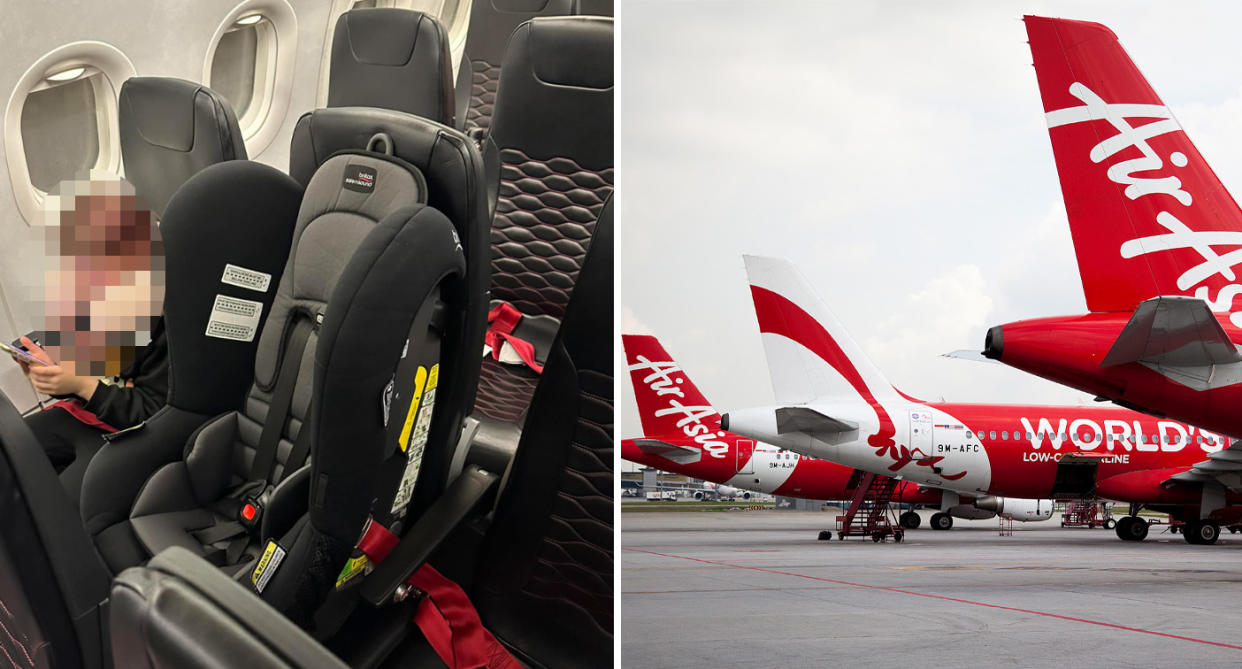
(250, 512)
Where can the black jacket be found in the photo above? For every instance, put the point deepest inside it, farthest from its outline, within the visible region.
(123, 407)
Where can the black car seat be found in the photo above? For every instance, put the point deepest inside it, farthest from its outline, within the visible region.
(392, 59)
(170, 130)
(454, 171)
(491, 23)
(239, 475)
(55, 583)
(226, 232)
(543, 579)
(552, 139)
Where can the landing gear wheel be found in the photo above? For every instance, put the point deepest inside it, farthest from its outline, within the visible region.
(1110, 524)
(1202, 532)
(941, 521)
(825, 535)
(910, 520)
(1132, 528)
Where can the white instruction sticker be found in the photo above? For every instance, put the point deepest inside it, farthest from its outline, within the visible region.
(233, 318)
(246, 278)
(416, 431)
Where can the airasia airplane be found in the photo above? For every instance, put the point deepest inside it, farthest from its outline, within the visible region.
(684, 436)
(833, 403)
(1157, 239)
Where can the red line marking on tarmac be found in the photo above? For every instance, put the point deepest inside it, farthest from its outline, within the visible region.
(940, 597)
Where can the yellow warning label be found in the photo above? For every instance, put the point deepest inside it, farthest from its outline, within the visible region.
(353, 567)
(420, 380)
(273, 555)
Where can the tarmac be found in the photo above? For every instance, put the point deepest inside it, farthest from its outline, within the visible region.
(757, 589)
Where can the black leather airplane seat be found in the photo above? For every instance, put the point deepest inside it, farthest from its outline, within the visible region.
(491, 24)
(551, 136)
(179, 611)
(238, 480)
(544, 581)
(593, 8)
(454, 171)
(170, 130)
(392, 59)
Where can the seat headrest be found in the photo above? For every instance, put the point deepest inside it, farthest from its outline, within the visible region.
(555, 92)
(491, 24)
(570, 51)
(170, 129)
(347, 196)
(392, 59)
(447, 159)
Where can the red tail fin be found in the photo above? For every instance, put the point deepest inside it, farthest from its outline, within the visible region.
(1147, 214)
(668, 403)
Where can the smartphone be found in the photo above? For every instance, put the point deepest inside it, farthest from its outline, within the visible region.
(21, 354)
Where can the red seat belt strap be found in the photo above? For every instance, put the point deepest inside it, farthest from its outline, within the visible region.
(445, 615)
(502, 321)
(452, 626)
(79, 412)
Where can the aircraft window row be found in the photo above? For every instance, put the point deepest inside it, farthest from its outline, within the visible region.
(1092, 437)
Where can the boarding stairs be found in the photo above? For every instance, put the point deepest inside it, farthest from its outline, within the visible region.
(870, 514)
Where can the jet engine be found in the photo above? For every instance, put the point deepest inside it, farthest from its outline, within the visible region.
(1017, 509)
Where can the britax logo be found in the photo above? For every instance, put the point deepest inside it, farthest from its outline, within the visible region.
(661, 382)
(1179, 236)
(362, 179)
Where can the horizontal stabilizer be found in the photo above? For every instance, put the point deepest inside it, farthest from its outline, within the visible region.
(809, 421)
(968, 354)
(682, 455)
(1223, 467)
(1173, 331)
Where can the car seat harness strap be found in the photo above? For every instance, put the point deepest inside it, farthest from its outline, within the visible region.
(282, 400)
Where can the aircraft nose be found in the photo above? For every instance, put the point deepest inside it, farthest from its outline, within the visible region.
(994, 343)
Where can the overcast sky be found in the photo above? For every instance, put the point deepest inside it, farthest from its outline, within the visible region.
(895, 151)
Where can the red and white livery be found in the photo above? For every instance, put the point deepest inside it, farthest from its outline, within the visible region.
(683, 435)
(1158, 241)
(833, 403)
